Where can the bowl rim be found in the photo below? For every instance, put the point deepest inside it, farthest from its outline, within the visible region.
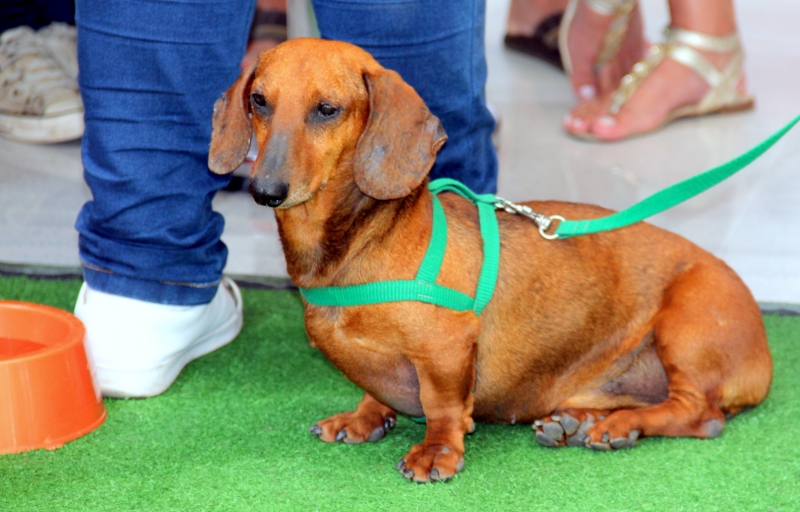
(76, 332)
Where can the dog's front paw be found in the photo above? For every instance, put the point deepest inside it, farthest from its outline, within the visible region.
(354, 428)
(429, 463)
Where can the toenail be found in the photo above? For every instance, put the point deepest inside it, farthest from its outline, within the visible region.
(607, 121)
(341, 435)
(586, 92)
(578, 124)
(568, 119)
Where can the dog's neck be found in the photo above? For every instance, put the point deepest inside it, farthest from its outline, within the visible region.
(328, 240)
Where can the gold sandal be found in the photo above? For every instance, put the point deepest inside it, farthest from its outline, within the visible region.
(620, 10)
(681, 46)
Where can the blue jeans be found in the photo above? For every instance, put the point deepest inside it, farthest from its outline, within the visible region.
(149, 75)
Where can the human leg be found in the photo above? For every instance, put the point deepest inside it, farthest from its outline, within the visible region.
(150, 73)
(149, 84)
(437, 47)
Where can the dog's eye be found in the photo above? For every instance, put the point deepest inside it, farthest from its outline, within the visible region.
(258, 99)
(327, 110)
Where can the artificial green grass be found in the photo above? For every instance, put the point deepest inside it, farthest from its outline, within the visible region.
(232, 434)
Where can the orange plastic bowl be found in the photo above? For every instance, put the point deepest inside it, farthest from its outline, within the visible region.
(47, 393)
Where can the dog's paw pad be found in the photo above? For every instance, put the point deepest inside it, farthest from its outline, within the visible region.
(553, 430)
(562, 430)
(569, 424)
(545, 440)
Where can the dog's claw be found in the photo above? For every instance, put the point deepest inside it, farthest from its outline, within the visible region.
(376, 434)
(619, 442)
(599, 447)
(434, 474)
(578, 439)
(408, 473)
(341, 435)
(389, 423)
(316, 430)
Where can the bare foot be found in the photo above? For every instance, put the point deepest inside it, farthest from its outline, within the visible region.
(584, 42)
(670, 85)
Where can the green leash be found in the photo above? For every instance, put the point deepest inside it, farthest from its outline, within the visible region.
(670, 196)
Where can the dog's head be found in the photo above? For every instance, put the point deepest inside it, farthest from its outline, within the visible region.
(324, 111)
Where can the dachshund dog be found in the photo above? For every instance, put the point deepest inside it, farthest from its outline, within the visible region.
(595, 340)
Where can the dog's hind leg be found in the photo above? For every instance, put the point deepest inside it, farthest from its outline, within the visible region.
(711, 342)
(369, 422)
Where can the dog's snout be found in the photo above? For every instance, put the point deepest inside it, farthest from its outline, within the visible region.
(272, 193)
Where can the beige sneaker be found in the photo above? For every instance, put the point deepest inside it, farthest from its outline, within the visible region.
(60, 41)
(39, 102)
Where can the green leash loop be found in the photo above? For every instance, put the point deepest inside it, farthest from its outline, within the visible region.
(672, 195)
(423, 287)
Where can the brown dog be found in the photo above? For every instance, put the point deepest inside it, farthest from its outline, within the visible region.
(596, 339)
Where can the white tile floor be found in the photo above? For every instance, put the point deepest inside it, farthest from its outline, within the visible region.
(751, 221)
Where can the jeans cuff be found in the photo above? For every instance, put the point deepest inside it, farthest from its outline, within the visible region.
(160, 292)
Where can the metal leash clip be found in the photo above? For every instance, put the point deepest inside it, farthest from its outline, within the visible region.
(542, 221)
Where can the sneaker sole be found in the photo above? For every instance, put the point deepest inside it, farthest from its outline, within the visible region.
(41, 129)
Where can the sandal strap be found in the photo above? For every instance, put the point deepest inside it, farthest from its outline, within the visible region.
(722, 82)
(610, 7)
(700, 41)
(682, 46)
(612, 40)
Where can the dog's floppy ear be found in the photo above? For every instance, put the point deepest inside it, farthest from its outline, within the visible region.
(230, 139)
(398, 146)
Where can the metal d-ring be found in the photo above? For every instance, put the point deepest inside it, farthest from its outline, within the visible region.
(543, 229)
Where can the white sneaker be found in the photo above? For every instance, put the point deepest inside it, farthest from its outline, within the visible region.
(39, 102)
(138, 348)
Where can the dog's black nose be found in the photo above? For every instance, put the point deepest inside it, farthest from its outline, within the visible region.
(270, 194)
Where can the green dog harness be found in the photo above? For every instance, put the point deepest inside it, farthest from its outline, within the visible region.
(423, 287)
